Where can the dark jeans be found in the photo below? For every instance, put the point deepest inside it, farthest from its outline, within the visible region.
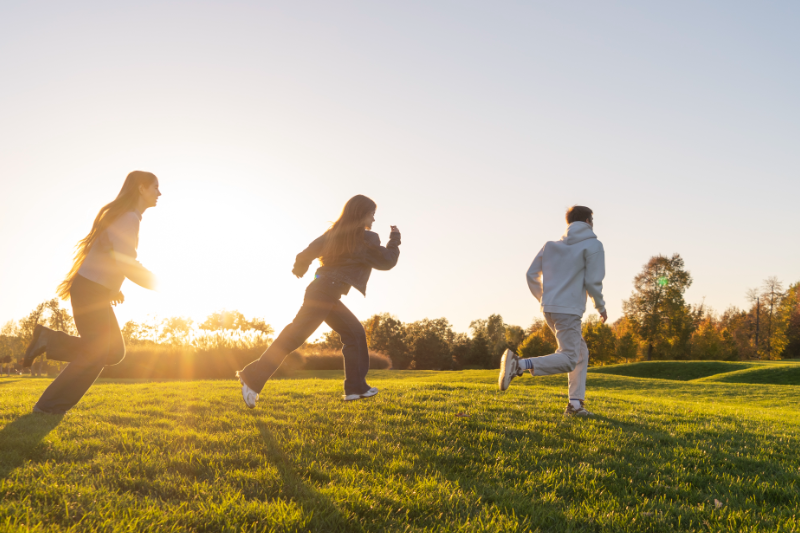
(321, 304)
(100, 344)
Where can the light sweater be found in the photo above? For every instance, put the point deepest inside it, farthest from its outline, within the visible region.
(565, 271)
(112, 257)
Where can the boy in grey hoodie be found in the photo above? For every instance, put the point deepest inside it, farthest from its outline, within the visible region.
(561, 276)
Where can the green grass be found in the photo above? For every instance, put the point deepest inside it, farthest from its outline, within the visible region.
(770, 374)
(187, 456)
(754, 372)
(672, 370)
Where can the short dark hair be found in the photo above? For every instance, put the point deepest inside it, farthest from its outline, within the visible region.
(578, 213)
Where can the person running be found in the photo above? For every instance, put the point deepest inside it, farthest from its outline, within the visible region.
(104, 258)
(348, 252)
(561, 276)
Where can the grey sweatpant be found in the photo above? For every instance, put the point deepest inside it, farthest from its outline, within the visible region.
(571, 357)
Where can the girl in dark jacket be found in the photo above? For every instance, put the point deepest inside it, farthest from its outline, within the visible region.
(348, 252)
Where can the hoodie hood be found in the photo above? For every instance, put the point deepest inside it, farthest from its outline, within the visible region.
(577, 232)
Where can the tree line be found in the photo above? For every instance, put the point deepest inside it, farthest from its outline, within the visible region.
(657, 323)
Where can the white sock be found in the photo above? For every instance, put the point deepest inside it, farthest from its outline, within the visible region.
(575, 403)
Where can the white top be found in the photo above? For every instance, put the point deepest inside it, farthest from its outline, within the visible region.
(566, 270)
(112, 257)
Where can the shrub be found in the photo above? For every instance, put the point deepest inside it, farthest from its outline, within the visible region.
(185, 362)
(335, 361)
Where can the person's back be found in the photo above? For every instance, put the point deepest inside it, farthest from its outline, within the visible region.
(560, 277)
(564, 271)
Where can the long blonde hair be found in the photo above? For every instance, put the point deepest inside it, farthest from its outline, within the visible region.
(126, 200)
(347, 233)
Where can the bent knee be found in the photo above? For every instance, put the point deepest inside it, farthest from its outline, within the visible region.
(572, 359)
(355, 336)
(115, 356)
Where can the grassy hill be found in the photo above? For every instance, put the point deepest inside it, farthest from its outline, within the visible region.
(672, 370)
(756, 372)
(767, 374)
(434, 451)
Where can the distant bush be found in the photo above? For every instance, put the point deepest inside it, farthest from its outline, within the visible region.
(377, 361)
(186, 362)
(183, 362)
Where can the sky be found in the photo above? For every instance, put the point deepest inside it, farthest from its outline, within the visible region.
(473, 125)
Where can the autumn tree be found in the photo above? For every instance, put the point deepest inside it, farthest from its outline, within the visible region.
(461, 349)
(11, 344)
(737, 332)
(538, 341)
(428, 342)
(479, 354)
(175, 331)
(754, 324)
(26, 325)
(386, 334)
(771, 295)
(599, 339)
(134, 333)
(514, 336)
(234, 320)
(656, 308)
(59, 318)
(790, 316)
(711, 339)
(492, 331)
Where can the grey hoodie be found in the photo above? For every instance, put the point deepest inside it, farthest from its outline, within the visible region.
(565, 271)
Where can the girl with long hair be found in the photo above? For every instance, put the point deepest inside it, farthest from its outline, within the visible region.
(348, 252)
(103, 259)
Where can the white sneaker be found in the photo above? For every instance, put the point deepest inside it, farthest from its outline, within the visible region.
(509, 369)
(250, 396)
(350, 397)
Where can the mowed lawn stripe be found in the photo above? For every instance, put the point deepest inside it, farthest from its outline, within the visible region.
(434, 451)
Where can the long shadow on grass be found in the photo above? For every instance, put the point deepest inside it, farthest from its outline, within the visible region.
(21, 440)
(325, 516)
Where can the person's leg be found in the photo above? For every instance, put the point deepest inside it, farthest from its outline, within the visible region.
(320, 297)
(63, 347)
(577, 378)
(100, 340)
(567, 329)
(355, 350)
(91, 301)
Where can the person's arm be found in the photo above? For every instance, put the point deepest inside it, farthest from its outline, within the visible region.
(307, 256)
(593, 279)
(535, 276)
(380, 257)
(124, 236)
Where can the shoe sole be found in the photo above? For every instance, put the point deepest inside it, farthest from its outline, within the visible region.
(580, 415)
(504, 381)
(27, 360)
(352, 397)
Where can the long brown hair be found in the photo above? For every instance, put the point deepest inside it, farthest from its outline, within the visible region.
(347, 233)
(126, 200)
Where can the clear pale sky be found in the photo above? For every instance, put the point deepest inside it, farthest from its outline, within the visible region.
(473, 125)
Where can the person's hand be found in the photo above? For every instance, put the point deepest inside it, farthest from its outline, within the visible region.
(117, 298)
(604, 316)
(394, 229)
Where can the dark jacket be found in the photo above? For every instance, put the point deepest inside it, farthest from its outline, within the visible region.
(353, 269)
